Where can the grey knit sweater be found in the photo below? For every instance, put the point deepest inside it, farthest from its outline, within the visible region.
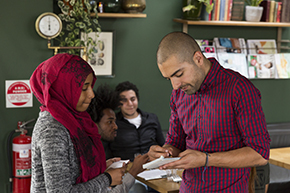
(55, 166)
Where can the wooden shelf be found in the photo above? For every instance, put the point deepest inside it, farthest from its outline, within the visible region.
(233, 23)
(121, 15)
(236, 23)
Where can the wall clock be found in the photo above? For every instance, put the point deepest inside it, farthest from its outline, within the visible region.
(48, 25)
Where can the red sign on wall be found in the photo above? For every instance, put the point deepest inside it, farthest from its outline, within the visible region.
(18, 94)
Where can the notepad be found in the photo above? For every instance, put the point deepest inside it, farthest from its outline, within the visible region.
(159, 162)
(152, 174)
(118, 164)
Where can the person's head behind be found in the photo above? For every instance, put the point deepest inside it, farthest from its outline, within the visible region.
(129, 96)
(180, 60)
(102, 112)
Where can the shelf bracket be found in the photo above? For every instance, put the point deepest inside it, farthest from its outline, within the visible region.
(279, 38)
(56, 48)
(185, 28)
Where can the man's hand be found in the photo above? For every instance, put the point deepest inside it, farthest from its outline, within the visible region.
(189, 159)
(117, 174)
(156, 151)
(137, 164)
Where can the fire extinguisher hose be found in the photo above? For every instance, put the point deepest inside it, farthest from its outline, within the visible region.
(9, 152)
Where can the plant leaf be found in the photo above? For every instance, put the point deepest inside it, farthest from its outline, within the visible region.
(188, 8)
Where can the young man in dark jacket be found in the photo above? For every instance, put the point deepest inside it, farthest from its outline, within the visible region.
(137, 130)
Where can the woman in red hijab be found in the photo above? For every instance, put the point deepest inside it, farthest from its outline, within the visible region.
(67, 153)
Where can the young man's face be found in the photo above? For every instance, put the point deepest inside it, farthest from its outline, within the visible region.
(188, 77)
(107, 125)
(129, 103)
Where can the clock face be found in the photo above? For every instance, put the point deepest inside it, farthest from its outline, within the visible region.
(48, 25)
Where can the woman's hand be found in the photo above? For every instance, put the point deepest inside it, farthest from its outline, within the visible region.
(112, 160)
(117, 174)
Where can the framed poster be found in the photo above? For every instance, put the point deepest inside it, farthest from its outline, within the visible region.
(101, 59)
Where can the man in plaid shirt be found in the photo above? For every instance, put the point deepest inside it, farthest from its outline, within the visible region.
(217, 125)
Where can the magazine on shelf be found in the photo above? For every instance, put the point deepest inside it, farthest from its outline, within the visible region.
(230, 45)
(262, 66)
(207, 48)
(283, 65)
(266, 46)
(233, 61)
(204, 42)
(208, 51)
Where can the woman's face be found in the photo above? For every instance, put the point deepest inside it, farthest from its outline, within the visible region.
(87, 94)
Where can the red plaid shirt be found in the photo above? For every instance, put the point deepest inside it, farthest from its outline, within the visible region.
(226, 114)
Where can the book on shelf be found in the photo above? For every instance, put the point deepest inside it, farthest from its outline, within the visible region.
(217, 10)
(285, 13)
(222, 10)
(282, 61)
(262, 46)
(272, 11)
(279, 10)
(233, 61)
(275, 12)
(229, 10)
(230, 45)
(261, 66)
(237, 13)
(213, 10)
(266, 10)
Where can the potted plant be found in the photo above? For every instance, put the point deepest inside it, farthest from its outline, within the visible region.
(253, 12)
(77, 22)
(192, 8)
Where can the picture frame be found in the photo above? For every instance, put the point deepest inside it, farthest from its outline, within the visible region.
(101, 60)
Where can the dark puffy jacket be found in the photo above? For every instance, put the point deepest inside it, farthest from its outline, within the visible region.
(130, 140)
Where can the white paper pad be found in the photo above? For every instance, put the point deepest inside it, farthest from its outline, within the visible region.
(118, 164)
(159, 162)
(152, 174)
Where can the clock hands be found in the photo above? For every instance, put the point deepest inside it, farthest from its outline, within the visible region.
(49, 23)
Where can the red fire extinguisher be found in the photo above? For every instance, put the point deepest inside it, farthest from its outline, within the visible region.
(21, 159)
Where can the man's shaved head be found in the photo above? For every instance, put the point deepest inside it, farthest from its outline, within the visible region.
(179, 44)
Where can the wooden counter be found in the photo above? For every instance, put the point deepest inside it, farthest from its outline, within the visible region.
(161, 185)
(280, 157)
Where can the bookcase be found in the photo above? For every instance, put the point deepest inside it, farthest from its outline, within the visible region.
(279, 26)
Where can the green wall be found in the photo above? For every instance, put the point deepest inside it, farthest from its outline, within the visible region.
(22, 49)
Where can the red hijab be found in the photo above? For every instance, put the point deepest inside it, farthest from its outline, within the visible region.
(57, 84)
